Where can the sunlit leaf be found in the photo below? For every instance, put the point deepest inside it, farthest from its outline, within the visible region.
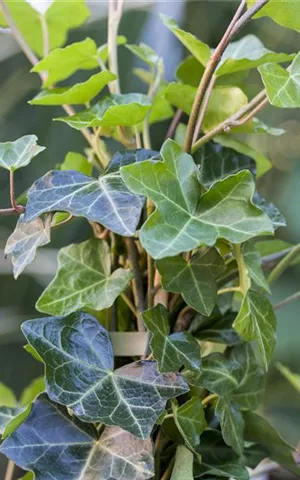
(283, 12)
(17, 154)
(147, 54)
(190, 421)
(83, 279)
(79, 451)
(232, 424)
(78, 355)
(30, 393)
(78, 162)
(7, 396)
(293, 378)
(183, 466)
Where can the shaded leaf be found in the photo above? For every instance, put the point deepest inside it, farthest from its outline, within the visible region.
(190, 71)
(252, 260)
(256, 321)
(6, 416)
(271, 210)
(78, 355)
(195, 279)
(216, 328)
(7, 396)
(128, 109)
(17, 154)
(161, 109)
(83, 279)
(78, 452)
(25, 240)
(80, 93)
(182, 220)
(284, 12)
(190, 421)
(293, 378)
(183, 467)
(78, 162)
(232, 424)
(260, 127)
(170, 351)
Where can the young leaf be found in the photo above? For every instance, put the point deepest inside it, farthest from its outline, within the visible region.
(183, 466)
(17, 154)
(195, 279)
(128, 109)
(282, 85)
(253, 263)
(161, 109)
(7, 396)
(283, 12)
(78, 162)
(78, 450)
(81, 93)
(25, 240)
(170, 351)
(293, 378)
(190, 421)
(83, 279)
(232, 424)
(132, 397)
(256, 321)
(105, 200)
(63, 62)
(30, 393)
(182, 220)
(7, 414)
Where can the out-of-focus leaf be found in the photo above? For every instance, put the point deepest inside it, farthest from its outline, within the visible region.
(283, 12)
(30, 393)
(190, 71)
(103, 50)
(190, 421)
(293, 378)
(253, 263)
(183, 466)
(260, 127)
(232, 424)
(147, 54)
(161, 109)
(17, 154)
(7, 414)
(78, 162)
(7, 396)
(271, 210)
(217, 328)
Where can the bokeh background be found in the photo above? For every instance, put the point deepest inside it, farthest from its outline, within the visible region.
(208, 20)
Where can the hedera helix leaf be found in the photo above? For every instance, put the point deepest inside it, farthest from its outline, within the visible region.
(147, 54)
(195, 279)
(217, 328)
(7, 414)
(102, 52)
(283, 12)
(271, 210)
(282, 85)
(184, 219)
(105, 200)
(76, 161)
(60, 18)
(17, 154)
(83, 279)
(232, 424)
(79, 452)
(78, 355)
(7, 396)
(183, 466)
(293, 378)
(81, 93)
(128, 109)
(190, 421)
(170, 351)
(24, 241)
(252, 260)
(256, 321)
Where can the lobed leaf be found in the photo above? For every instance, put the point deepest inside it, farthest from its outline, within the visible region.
(17, 154)
(190, 421)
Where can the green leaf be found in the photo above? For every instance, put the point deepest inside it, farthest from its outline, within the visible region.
(83, 279)
(128, 109)
(102, 52)
(183, 220)
(81, 93)
(217, 329)
(283, 12)
(7, 414)
(17, 417)
(232, 424)
(17, 154)
(147, 54)
(61, 63)
(105, 200)
(293, 378)
(253, 263)
(78, 355)
(7, 396)
(282, 85)
(78, 162)
(218, 375)
(190, 71)
(79, 451)
(271, 210)
(195, 279)
(28, 476)
(247, 53)
(256, 321)
(29, 349)
(25, 240)
(60, 18)
(190, 421)
(170, 351)
(197, 48)
(161, 109)
(260, 127)
(30, 393)
(258, 429)
(183, 467)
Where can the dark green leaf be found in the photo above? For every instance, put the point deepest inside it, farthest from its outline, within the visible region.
(78, 355)
(195, 279)
(271, 210)
(6, 416)
(216, 328)
(17, 154)
(183, 467)
(83, 279)
(253, 263)
(182, 220)
(284, 12)
(170, 351)
(78, 162)
(78, 451)
(232, 424)
(190, 71)
(190, 421)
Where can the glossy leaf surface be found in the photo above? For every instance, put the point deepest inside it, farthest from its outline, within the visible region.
(17, 154)
(190, 421)
(232, 424)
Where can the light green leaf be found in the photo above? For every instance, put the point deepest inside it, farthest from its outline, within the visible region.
(147, 54)
(103, 50)
(282, 85)
(197, 48)
(190, 421)
(256, 321)
(83, 279)
(30, 393)
(182, 220)
(195, 279)
(170, 351)
(232, 424)
(161, 109)
(7, 396)
(7, 414)
(128, 109)
(61, 63)
(17, 154)
(78, 94)
(28, 476)
(183, 467)
(60, 18)
(260, 127)
(253, 263)
(78, 162)
(190, 71)
(293, 378)
(283, 12)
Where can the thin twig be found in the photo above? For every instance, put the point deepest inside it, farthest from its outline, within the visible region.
(283, 264)
(228, 290)
(9, 470)
(6, 212)
(209, 398)
(183, 320)
(115, 8)
(247, 118)
(129, 304)
(287, 300)
(169, 470)
(174, 123)
(204, 107)
(12, 190)
(137, 281)
(45, 32)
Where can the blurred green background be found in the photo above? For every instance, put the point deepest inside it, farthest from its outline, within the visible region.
(208, 20)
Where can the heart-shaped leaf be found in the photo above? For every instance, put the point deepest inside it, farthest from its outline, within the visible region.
(170, 351)
(232, 424)
(183, 218)
(79, 452)
(190, 421)
(81, 93)
(78, 355)
(195, 279)
(284, 12)
(105, 200)
(128, 109)
(17, 154)
(83, 279)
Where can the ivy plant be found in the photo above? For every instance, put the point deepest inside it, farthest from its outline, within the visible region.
(179, 260)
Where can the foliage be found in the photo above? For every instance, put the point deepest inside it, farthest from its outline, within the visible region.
(179, 242)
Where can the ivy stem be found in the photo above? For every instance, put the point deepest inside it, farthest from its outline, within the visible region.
(204, 107)
(287, 300)
(243, 272)
(115, 9)
(137, 135)
(228, 290)
(6, 212)
(9, 470)
(283, 264)
(129, 304)
(137, 281)
(12, 190)
(209, 398)
(174, 124)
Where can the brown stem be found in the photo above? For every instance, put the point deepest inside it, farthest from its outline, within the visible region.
(9, 470)
(174, 123)
(286, 301)
(12, 190)
(247, 118)
(137, 281)
(183, 319)
(6, 212)
(204, 107)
